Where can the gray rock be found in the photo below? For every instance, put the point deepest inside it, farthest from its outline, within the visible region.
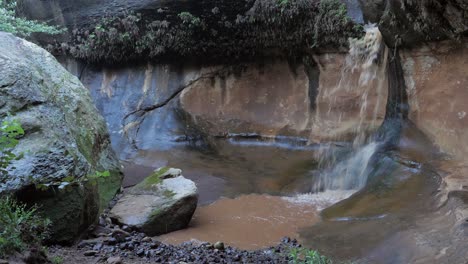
(114, 260)
(95, 241)
(65, 137)
(120, 235)
(219, 245)
(157, 206)
(101, 231)
(146, 239)
(90, 253)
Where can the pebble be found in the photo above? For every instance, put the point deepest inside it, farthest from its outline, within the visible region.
(122, 245)
(146, 239)
(120, 232)
(114, 260)
(219, 245)
(102, 221)
(120, 235)
(97, 247)
(140, 252)
(90, 253)
(111, 241)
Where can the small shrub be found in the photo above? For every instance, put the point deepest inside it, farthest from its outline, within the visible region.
(10, 22)
(307, 256)
(57, 260)
(70, 180)
(239, 32)
(188, 18)
(332, 17)
(20, 227)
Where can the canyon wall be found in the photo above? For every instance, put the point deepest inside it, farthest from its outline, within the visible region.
(272, 98)
(300, 94)
(436, 76)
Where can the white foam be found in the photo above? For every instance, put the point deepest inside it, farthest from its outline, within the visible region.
(321, 200)
(350, 173)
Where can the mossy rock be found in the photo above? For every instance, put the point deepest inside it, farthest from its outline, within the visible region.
(151, 182)
(157, 206)
(65, 139)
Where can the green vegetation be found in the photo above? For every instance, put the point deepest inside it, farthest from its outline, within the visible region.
(332, 15)
(10, 22)
(20, 227)
(283, 2)
(169, 193)
(57, 260)
(70, 180)
(10, 131)
(239, 32)
(188, 18)
(307, 256)
(154, 178)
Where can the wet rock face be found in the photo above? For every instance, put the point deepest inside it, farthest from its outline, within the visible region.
(437, 84)
(270, 98)
(65, 137)
(278, 99)
(158, 205)
(116, 92)
(266, 99)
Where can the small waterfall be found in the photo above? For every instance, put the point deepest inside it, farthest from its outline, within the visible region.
(348, 174)
(367, 57)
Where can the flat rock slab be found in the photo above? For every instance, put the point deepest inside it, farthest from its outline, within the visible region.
(157, 207)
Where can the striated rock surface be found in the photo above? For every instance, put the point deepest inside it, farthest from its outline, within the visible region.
(159, 204)
(119, 91)
(437, 83)
(65, 139)
(272, 98)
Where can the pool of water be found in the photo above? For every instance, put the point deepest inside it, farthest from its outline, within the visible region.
(254, 192)
(232, 168)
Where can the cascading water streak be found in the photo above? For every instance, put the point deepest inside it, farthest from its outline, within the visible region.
(348, 174)
(368, 57)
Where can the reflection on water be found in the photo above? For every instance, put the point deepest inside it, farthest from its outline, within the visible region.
(233, 169)
(401, 190)
(247, 173)
(268, 190)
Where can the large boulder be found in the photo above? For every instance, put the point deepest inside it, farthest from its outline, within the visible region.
(66, 140)
(164, 202)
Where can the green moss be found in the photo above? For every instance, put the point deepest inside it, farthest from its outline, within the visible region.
(155, 213)
(169, 193)
(57, 260)
(154, 178)
(108, 188)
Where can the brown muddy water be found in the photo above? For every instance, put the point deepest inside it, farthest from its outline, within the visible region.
(252, 193)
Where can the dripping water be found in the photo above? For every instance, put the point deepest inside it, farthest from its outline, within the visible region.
(367, 57)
